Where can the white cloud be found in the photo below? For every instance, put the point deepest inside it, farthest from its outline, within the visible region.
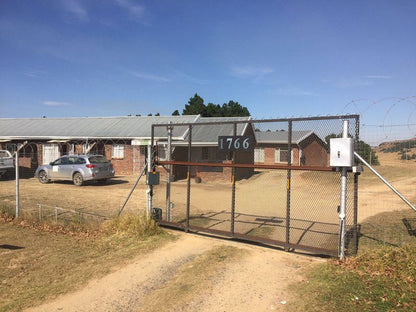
(349, 82)
(180, 75)
(149, 76)
(55, 103)
(378, 77)
(293, 91)
(249, 71)
(76, 9)
(34, 73)
(136, 10)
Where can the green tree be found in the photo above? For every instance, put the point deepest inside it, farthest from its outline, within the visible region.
(195, 106)
(367, 153)
(234, 109)
(175, 113)
(213, 110)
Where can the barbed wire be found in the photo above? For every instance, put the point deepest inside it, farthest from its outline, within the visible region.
(394, 117)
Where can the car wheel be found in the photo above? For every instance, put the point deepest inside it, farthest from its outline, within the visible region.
(43, 177)
(77, 179)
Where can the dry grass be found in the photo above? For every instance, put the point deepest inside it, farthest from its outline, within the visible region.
(40, 262)
(380, 278)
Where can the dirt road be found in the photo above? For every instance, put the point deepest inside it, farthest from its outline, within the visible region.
(256, 281)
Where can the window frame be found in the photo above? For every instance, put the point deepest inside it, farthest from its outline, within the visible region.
(259, 155)
(278, 153)
(117, 151)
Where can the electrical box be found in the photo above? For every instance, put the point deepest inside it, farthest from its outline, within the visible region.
(152, 178)
(341, 152)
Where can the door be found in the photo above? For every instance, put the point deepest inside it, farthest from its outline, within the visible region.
(50, 152)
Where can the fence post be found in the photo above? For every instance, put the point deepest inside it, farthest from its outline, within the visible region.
(288, 184)
(17, 183)
(188, 193)
(233, 186)
(355, 218)
(343, 202)
(169, 172)
(149, 187)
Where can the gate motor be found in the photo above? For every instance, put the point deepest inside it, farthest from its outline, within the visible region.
(152, 178)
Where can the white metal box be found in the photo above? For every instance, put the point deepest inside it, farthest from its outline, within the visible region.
(341, 152)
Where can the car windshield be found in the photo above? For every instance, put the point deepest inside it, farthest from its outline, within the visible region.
(98, 160)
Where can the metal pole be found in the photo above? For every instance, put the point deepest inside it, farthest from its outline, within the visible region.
(17, 183)
(343, 200)
(149, 192)
(357, 137)
(288, 185)
(385, 181)
(169, 173)
(132, 189)
(188, 193)
(233, 186)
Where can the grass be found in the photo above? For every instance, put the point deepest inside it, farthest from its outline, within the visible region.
(380, 278)
(42, 261)
(386, 229)
(262, 231)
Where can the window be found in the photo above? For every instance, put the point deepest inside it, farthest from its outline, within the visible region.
(118, 151)
(282, 156)
(259, 155)
(80, 161)
(61, 161)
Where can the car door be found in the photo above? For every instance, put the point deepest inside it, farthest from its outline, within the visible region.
(58, 168)
(67, 168)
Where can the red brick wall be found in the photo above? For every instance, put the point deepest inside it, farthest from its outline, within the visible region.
(314, 154)
(122, 166)
(270, 150)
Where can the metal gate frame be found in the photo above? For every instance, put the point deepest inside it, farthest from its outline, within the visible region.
(287, 245)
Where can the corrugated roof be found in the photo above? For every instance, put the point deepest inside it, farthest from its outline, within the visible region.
(281, 136)
(134, 127)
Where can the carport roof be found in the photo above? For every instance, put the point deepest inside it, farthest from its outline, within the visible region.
(134, 127)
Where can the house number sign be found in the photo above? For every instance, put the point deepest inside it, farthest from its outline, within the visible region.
(235, 143)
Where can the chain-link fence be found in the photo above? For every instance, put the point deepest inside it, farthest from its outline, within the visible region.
(388, 143)
(62, 201)
(281, 191)
(267, 181)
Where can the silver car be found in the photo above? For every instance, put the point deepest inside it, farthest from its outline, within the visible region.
(78, 168)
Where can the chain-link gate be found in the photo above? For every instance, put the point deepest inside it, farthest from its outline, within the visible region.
(265, 181)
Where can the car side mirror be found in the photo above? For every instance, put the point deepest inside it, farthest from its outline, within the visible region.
(51, 163)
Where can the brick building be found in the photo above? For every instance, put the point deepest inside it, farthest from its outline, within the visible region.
(123, 140)
(307, 148)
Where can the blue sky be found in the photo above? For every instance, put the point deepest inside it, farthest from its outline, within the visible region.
(63, 58)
